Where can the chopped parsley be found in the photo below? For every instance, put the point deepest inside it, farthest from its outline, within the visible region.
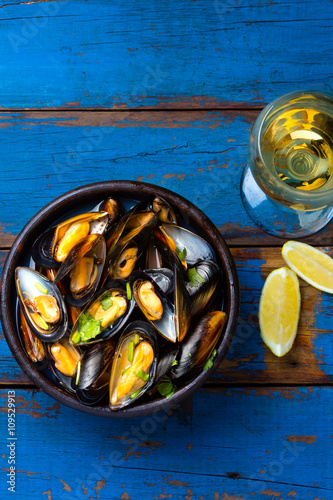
(89, 327)
(135, 394)
(166, 387)
(181, 254)
(128, 291)
(143, 375)
(175, 363)
(209, 362)
(106, 301)
(194, 277)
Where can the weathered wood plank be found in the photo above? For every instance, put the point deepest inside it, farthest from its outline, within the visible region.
(200, 155)
(239, 444)
(249, 361)
(161, 54)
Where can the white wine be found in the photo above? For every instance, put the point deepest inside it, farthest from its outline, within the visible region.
(298, 148)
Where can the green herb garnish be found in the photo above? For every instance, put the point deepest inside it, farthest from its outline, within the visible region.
(209, 363)
(181, 254)
(124, 371)
(78, 371)
(42, 321)
(136, 338)
(130, 351)
(128, 291)
(143, 375)
(135, 394)
(190, 354)
(106, 301)
(175, 363)
(41, 288)
(194, 277)
(166, 387)
(89, 327)
(76, 337)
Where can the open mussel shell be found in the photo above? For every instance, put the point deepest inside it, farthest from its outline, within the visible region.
(153, 257)
(52, 246)
(42, 304)
(166, 212)
(33, 346)
(63, 359)
(103, 316)
(134, 365)
(85, 275)
(113, 208)
(178, 239)
(76, 254)
(202, 290)
(123, 255)
(198, 345)
(154, 304)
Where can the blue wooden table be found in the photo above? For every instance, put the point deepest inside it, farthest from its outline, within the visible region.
(166, 91)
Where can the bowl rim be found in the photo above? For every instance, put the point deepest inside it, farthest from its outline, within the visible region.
(99, 191)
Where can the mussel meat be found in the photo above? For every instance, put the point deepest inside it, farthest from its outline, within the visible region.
(65, 357)
(102, 318)
(42, 304)
(134, 365)
(154, 304)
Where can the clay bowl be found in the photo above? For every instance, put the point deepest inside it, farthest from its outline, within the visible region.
(93, 194)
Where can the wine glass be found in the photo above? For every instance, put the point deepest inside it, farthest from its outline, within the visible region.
(287, 185)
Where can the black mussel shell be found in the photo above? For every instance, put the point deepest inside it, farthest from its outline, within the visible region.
(163, 277)
(94, 363)
(91, 397)
(202, 291)
(26, 280)
(195, 350)
(153, 257)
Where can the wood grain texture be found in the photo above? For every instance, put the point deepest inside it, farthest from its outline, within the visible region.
(198, 154)
(248, 360)
(161, 54)
(237, 444)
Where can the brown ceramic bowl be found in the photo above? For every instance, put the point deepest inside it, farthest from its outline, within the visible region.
(92, 194)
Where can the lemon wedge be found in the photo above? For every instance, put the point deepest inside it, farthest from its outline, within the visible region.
(311, 264)
(279, 309)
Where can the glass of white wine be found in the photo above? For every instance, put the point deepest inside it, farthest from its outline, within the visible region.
(287, 185)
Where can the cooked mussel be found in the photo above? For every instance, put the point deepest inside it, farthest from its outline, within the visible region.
(123, 255)
(113, 208)
(53, 246)
(42, 304)
(134, 365)
(63, 360)
(197, 347)
(33, 346)
(163, 277)
(85, 275)
(167, 213)
(154, 304)
(103, 317)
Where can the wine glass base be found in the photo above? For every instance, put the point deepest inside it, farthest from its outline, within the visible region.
(276, 219)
